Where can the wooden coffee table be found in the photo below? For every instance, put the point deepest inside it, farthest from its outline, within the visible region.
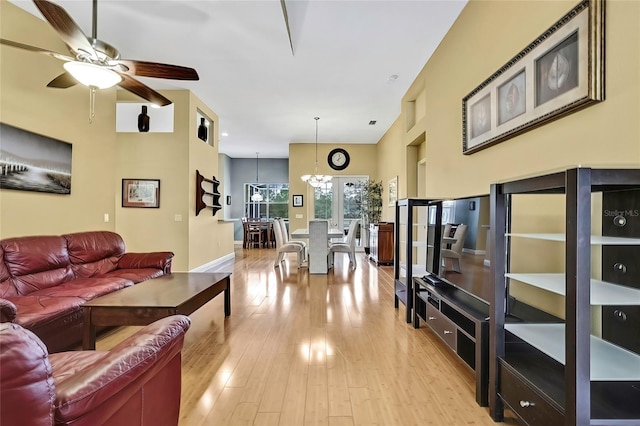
(148, 301)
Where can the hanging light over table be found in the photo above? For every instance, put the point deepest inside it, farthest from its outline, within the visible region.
(257, 196)
(316, 179)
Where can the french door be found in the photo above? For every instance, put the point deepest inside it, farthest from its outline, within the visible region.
(340, 202)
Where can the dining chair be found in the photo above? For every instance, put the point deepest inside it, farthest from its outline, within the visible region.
(286, 239)
(348, 246)
(455, 252)
(245, 232)
(254, 234)
(282, 248)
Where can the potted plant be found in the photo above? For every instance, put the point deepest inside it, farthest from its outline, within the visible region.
(371, 205)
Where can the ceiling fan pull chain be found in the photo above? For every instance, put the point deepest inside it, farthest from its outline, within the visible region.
(92, 103)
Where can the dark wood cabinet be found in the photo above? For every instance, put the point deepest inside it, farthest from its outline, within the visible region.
(381, 243)
(568, 371)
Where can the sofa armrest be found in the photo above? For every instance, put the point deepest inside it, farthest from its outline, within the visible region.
(161, 260)
(8, 311)
(122, 370)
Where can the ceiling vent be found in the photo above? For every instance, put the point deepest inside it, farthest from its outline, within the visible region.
(372, 123)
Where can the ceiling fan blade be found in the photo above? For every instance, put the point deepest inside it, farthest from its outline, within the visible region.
(145, 92)
(66, 27)
(35, 49)
(63, 81)
(158, 70)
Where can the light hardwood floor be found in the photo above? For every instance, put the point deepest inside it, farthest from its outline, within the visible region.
(302, 349)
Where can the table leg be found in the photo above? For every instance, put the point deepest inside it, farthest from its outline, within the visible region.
(89, 332)
(227, 298)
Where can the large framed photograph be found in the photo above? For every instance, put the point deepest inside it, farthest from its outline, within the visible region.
(33, 162)
(141, 193)
(559, 73)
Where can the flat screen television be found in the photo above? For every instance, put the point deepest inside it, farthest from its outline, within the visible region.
(470, 271)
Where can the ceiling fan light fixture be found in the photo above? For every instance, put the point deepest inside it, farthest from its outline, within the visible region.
(92, 75)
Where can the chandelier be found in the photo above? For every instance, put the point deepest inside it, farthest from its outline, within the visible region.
(316, 179)
(257, 196)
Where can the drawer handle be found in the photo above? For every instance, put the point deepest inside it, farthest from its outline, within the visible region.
(432, 318)
(525, 404)
(448, 332)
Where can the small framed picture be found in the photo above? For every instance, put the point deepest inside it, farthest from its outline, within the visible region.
(297, 200)
(393, 191)
(141, 193)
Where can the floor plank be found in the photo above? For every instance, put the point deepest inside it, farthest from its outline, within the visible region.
(301, 349)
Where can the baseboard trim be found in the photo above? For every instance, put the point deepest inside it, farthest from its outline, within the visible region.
(216, 264)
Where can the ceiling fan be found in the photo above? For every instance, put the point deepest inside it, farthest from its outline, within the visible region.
(97, 64)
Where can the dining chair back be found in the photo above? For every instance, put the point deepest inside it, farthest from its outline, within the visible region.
(282, 247)
(348, 246)
(286, 239)
(254, 234)
(455, 252)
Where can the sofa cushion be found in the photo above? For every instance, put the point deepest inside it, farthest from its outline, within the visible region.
(135, 275)
(86, 288)
(95, 252)
(37, 312)
(35, 263)
(27, 388)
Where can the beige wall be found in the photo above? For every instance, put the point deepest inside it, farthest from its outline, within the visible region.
(587, 137)
(209, 237)
(390, 152)
(364, 161)
(173, 158)
(606, 134)
(102, 158)
(26, 103)
(462, 61)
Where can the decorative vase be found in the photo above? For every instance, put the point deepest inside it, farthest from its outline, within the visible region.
(202, 130)
(143, 120)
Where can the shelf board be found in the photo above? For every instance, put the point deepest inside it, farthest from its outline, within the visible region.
(608, 362)
(602, 292)
(595, 239)
(417, 270)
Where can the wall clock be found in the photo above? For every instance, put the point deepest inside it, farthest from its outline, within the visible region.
(338, 159)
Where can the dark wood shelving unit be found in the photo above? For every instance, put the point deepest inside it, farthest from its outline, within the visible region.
(202, 194)
(416, 249)
(558, 372)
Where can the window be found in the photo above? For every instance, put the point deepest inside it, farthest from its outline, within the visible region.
(274, 203)
(448, 213)
(323, 203)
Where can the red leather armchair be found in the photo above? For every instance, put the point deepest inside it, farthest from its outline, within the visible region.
(135, 383)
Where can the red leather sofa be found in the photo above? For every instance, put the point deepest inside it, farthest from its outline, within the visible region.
(136, 383)
(44, 280)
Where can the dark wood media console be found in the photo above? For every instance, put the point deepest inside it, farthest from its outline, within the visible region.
(462, 321)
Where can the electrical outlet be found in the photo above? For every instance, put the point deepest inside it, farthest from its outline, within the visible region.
(177, 218)
(299, 216)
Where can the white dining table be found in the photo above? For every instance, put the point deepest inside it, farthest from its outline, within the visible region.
(304, 233)
(318, 250)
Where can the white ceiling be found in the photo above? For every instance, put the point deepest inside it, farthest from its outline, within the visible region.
(266, 97)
